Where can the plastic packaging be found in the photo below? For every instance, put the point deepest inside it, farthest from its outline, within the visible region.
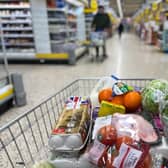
(105, 82)
(163, 109)
(107, 108)
(121, 88)
(155, 92)
(73, 125)
(134, 126)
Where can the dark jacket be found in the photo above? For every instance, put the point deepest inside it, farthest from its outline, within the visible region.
(101, 21)
(121, 28)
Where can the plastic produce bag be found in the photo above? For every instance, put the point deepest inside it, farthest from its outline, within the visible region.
(43, 164)
(163, 109)
(105, 82)
(155, 92)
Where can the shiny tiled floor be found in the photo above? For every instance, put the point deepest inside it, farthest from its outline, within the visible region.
(128, 57)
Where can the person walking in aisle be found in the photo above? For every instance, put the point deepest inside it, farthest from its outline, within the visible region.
(101, 23)
(120, 29)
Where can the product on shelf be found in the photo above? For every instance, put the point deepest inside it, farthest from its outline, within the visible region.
(17, 26)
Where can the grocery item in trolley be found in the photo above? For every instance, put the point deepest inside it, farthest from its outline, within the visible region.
(105, 82)
(131, 125)
(71, 129)
(107, 108)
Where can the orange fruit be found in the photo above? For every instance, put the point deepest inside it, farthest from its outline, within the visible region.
(105, 94)
(118, 100)
(132, 100)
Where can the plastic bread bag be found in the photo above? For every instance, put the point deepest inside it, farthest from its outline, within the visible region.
(134, 126)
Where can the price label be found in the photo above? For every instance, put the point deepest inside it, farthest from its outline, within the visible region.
(128, 157)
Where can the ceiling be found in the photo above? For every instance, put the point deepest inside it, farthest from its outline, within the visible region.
(129, 7)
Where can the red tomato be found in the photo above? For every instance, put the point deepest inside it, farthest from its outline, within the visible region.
(107, 135)
(147, 162)
(123, 139)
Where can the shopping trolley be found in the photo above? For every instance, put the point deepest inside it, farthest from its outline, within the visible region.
(25, 139)
(96, 40)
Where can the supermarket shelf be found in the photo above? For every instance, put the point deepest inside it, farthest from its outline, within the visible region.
(79, 51)
(72, 39)
(16, 16)
(19, 55)
(74, 2)
(17, 29)
(6, 99)
(10, 0)
(56, 10)
(56, 20)
(72, 21)
(16, 21)
(62, 30)
(20, 44)
(89, 19)
(57, 41)
(58, 31)
(72, 30)
(14, 7)
(71, 13)
(18, 35)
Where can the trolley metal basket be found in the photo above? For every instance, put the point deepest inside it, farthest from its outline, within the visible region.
(23, 139)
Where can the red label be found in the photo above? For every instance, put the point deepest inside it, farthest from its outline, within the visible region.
(58, 131)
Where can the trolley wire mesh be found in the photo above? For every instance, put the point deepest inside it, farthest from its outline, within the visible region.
(22, 141)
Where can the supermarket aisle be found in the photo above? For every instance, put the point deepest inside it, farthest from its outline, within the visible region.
(128, 57)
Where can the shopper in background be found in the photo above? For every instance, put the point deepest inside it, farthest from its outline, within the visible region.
(101, 23)
(120, 29)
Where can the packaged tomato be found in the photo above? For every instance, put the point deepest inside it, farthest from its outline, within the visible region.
(98, 153)
(133, 156)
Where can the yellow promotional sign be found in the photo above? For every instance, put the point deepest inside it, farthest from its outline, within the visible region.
(93, 5)
(146, 11)
(154, 6)
(157, 17)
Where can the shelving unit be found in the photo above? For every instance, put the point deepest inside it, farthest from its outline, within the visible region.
(88, 20)
(65, 27)
(34, 30)
(16, 24)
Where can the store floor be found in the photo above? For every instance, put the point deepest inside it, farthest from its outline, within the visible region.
(128, 57)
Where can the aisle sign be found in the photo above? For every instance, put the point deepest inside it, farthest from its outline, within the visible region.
(93, 4)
